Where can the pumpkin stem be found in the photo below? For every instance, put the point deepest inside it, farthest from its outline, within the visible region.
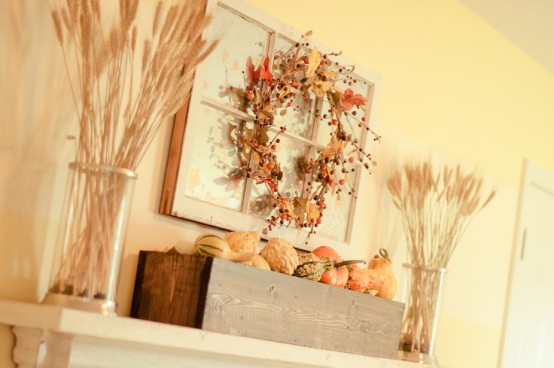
(349, 262)
(383, 252)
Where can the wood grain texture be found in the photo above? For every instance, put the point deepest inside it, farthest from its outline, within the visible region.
(168, 288)
(174, 159)
(244, 301)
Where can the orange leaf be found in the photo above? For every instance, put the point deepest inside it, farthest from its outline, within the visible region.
(349, 100)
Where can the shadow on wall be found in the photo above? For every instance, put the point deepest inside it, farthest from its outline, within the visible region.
(34, 112)
(27, 232)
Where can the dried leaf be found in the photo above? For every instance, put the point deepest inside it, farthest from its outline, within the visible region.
(314, 61)
(263, 137)
(313, 211)
(266, 114)
(332, 148)
(322, 87)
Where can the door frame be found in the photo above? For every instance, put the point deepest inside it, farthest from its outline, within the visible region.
(532, 175)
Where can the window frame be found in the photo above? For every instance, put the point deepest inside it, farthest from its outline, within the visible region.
(196, 210)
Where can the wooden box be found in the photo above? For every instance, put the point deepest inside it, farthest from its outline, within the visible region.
(221, 296)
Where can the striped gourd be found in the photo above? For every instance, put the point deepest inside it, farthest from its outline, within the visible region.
(209, 245)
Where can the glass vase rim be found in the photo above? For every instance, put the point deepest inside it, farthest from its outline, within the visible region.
(425, 268)
(88, 166)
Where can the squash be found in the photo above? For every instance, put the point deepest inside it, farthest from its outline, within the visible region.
(241, 241)
(313, 269)
(380, 268)
(280, 256)
(259, 262)
(209, 245)
(360, 279)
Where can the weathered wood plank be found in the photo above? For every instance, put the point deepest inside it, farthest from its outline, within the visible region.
(244, 301)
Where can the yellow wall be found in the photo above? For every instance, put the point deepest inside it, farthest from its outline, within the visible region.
(456, 85)
(447, 79)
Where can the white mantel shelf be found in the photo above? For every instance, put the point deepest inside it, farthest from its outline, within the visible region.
(51, 336)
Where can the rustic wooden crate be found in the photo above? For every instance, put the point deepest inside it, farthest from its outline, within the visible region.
(222, 296)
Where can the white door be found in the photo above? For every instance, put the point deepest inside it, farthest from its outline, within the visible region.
(528, 339)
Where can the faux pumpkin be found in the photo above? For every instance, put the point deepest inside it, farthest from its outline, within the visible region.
(335, 277)
(338, 275)
(380, 268)
(360, 279)
(326, 251)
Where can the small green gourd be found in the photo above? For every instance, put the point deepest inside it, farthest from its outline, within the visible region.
(314, 268)
(209, 245)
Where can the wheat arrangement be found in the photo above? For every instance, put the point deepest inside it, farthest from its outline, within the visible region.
(118, 115)
(126, 85)
(436, 208)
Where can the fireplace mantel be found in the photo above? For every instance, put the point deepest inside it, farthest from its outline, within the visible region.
(51, 336)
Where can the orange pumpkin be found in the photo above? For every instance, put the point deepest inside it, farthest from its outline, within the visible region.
(337, 276)
(380, 268)
(360, 279)
(326, 251)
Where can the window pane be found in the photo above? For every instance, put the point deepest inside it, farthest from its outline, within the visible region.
(216, 159)
(337, 214)
(291, 156)
(240, 39)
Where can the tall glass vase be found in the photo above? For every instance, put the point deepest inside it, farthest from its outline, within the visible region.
(423, 291)
(88, 259)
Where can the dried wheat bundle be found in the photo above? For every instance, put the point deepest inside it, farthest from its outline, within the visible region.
(118, 117)
(436, 208)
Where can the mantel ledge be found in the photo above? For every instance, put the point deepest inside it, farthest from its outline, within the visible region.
(52, 336)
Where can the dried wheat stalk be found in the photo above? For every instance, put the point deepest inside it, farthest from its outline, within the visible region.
(436, 208)
(118, 115)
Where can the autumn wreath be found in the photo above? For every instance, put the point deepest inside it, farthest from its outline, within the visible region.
(272, 88)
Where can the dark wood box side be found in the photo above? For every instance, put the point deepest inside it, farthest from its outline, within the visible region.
(171, 288)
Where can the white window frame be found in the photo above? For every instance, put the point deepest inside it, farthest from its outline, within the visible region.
(196, 210)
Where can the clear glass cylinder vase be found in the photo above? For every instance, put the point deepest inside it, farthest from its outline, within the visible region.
(87, 261)
(423, 293)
